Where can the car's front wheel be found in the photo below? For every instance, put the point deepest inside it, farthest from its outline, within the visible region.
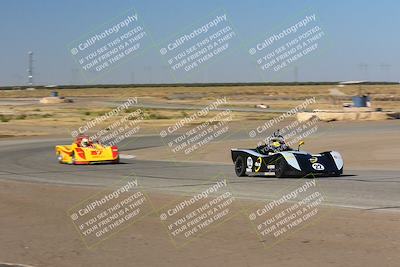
(338, 173)
(240, 168)
(280, 167)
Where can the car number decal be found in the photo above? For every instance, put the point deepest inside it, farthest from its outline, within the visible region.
(318, 166)
(258, 164)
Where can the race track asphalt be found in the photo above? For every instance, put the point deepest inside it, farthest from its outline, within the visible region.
(34, 161)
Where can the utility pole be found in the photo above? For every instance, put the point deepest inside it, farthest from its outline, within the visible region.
(30, 68)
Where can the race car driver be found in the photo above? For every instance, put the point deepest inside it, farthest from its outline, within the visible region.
(85, 142)
(275, 143)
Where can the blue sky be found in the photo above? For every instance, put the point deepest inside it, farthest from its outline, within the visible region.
(361, 39)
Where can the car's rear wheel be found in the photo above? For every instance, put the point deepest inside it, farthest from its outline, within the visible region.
(240, 168)
(73, 159)
(280, 167)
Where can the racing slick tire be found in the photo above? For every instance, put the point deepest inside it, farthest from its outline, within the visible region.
(240, 167)
(73, 158)
(280, 167)
(338, 173)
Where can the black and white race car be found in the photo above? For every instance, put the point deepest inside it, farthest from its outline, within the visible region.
(276, 158)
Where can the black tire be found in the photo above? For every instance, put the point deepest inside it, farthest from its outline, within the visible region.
(240, 167)
(280, 167)
(116, 161)
(338, 173)
(73, 158)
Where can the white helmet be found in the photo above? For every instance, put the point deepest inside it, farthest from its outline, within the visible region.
(85, 142)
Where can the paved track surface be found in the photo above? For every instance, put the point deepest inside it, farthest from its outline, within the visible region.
(145, 104)
(34, 161)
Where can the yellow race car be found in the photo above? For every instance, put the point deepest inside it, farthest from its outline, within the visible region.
(83, 151)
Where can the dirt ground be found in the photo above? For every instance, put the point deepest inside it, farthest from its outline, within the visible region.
(36, 230)
(20, 109)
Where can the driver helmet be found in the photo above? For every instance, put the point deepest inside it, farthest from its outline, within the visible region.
(276, 142)
(85, 142)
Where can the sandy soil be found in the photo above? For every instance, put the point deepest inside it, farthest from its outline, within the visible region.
(36, 230)
(20, 109)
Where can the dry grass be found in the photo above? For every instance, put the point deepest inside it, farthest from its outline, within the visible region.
(207, 92)
(93, 102)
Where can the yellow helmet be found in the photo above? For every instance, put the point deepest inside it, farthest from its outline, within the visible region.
(276, 144)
